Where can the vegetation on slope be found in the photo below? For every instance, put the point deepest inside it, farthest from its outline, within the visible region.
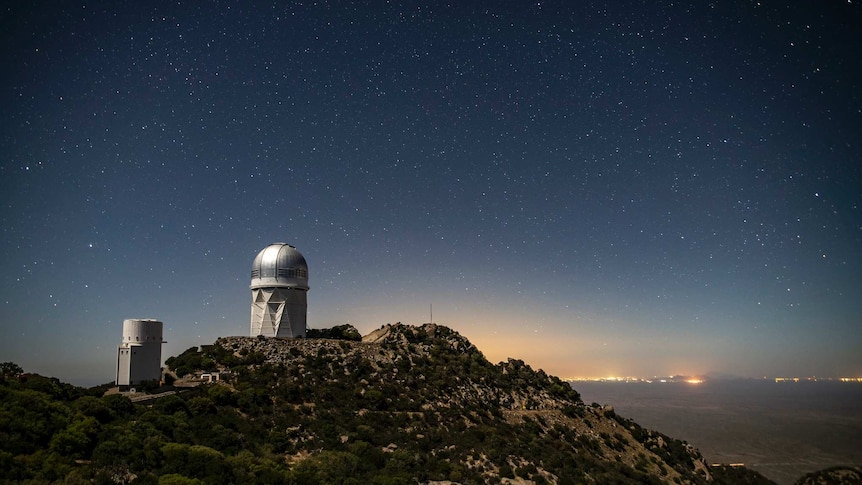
(839, 475)
(406, 405)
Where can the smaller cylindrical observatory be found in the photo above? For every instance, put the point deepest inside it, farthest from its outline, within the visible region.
(279, 289)
(139, 357)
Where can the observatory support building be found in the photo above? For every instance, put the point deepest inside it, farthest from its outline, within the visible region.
(139, 357)
(279, 289)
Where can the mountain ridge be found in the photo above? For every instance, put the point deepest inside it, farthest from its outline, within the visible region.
(510, 391)
(402, 405)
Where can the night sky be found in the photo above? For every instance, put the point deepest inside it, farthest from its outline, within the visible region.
(598, 188)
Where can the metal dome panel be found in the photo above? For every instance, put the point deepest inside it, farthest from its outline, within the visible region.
(279, 265)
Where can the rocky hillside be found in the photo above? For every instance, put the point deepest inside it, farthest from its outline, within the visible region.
(403, 405)
(839, 475)
(428, 394)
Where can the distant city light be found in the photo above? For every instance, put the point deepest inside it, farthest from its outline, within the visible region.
(817, 379)
(700, 380)
(647, 380)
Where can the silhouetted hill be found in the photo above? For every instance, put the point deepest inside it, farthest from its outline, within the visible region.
(403, 405)
(428, 398)
(839, 475)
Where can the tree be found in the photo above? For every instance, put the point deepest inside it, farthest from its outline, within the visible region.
(198, 461)
(338, 332)
(330, 467)
(28, 420)
(92, 406)
(177, 479)
(10, 370)
(78, 439)
(119, 405)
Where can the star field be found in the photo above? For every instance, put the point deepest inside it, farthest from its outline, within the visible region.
(607, 188)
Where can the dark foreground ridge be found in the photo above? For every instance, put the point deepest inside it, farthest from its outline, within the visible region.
(839, 475)
(403, 405)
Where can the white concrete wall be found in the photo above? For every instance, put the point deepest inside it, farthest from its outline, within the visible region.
(139, 357)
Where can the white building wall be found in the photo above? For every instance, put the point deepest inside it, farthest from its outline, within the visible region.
(139, 357)
(124, 358)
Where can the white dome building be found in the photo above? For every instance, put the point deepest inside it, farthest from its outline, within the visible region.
(139, 357)
(279, 289)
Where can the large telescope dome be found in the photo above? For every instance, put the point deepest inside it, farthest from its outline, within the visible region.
(279, 265)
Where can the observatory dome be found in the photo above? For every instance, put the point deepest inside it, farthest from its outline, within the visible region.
(279, 265)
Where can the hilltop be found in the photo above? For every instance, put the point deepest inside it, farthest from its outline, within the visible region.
(403, 405)
(427, 399)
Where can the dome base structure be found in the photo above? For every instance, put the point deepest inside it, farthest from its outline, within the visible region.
(278, 312)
